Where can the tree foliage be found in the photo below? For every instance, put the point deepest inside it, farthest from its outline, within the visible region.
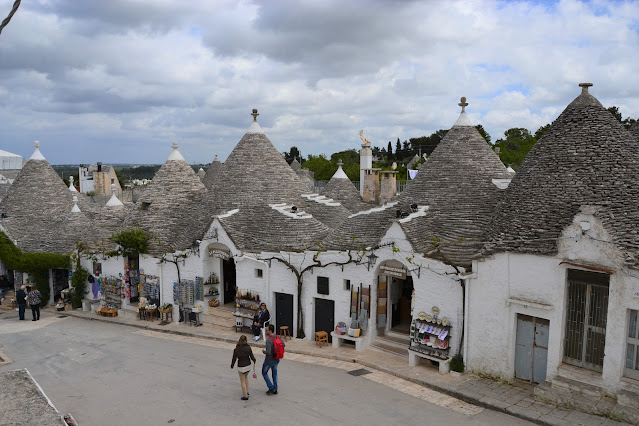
(131, 242)
(627, 122)
(293, 154)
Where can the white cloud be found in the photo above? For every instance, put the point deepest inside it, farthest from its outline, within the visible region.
(118, 81)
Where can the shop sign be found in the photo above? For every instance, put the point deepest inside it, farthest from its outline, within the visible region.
(393, 272)
(219, 253)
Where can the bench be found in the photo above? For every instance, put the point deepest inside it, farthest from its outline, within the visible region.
(414, 358)
(337, 340)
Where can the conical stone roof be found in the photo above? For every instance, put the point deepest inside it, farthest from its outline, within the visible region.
(255, 176)
(38, 208)
(212, 172)
(455, 196)
(169, 206)
(634, 130)
(586, 158)
(456, 183)
(340, 188)
(295, 165)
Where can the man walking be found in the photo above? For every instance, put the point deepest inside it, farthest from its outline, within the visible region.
(272, 359)
(21, 298)
(35, 298)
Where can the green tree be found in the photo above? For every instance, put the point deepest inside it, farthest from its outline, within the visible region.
(627, 122)
(398, 150)
(320, 166)
(484, 134)
(427, 144)
(514, 147)
(293, 154)
(389, 150)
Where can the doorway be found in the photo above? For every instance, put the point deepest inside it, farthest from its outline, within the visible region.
(325, 316)
(531, 348)
(401, 294)
(60, 282)
(283, 311)
(586, 316)
(228, 273)
(133, 275)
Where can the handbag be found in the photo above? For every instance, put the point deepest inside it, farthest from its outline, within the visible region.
(254, 375)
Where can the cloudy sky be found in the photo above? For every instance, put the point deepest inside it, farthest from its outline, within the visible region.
(118, 80)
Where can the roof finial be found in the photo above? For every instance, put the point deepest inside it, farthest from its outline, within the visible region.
(584, 87)
(463, 104)
(114, 201)
(37, 155)
(255, 114)
(36, 144)
(339, 163)
(75, 208)
(71, 185)
(175, 145)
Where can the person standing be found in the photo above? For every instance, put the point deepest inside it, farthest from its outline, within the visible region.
(21, 298)
(35, 298)
(258, 321)
(271, 361)
(243, 354)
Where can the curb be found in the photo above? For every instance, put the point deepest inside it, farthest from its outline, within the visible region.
(449, 392)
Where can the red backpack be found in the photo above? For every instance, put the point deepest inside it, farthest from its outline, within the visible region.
(278, 347)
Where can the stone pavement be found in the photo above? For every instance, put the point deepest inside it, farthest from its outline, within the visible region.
(514, 398)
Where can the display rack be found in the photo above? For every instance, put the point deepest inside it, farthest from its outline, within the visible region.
(187, 292)
(212, 284)
(111, 291)
(246, 304)
(430, 338)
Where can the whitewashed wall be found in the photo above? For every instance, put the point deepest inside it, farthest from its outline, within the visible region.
(507, 284)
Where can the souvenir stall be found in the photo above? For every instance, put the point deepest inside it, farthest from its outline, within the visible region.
(430, 339)
(149, 302)
(357, 325)
(247, 303)
(189, 295)
(212, 290)
(111, 294)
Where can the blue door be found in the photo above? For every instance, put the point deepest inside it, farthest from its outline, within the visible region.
(531, 348)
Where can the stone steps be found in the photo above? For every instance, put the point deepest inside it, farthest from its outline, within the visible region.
(219, 318)
(6, 304)
(390, 348)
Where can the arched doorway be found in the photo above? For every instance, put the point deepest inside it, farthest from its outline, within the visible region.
(220, 268)
(395, 292)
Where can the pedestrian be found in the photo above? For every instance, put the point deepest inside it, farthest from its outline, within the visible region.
(243, 354)
(261, 317)
(21, 298)
(274, 352)
(35, 298)
(4, 286)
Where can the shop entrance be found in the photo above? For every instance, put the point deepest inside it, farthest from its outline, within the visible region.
(400, 301)
(133, 275)
(228, 273)
(60, 282)
(325, 316)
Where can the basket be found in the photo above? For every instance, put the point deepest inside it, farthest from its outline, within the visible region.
(214, 303)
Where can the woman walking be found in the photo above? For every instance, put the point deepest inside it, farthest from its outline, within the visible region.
(243, 354)
(34, 298)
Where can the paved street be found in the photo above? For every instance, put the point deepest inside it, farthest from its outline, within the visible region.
(105, 374)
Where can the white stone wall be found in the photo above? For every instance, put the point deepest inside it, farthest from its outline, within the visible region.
(507, 284)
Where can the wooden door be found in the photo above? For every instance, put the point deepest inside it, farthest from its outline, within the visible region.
(325, 316)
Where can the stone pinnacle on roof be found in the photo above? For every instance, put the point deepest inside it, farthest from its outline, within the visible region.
(584, 87)
(37, 155)
(175, 155)
(255, 127)
(463, 119)
(339, 174)
(75, 208)
(71, 185)
(114, 201)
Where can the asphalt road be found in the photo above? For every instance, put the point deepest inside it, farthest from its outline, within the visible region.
(106, 374)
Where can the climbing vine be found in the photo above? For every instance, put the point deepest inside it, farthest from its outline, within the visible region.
(36, 264)
(131, 242)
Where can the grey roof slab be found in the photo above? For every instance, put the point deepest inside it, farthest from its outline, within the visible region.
(212, 172)
(586, 157)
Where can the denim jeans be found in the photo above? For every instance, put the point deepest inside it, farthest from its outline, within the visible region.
(21, 308)
(270, 365)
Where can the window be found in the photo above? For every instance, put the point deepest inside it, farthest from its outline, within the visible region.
(259, 273)
(632, 348)
(145, 206)
(112, 180)
(347, 284)
(322, 285)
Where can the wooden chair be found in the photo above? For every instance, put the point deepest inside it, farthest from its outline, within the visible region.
(321, 336)
(284, 334)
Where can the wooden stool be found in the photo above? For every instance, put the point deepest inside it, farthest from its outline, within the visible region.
(284, 334)
(321, 336)
(165, 314)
